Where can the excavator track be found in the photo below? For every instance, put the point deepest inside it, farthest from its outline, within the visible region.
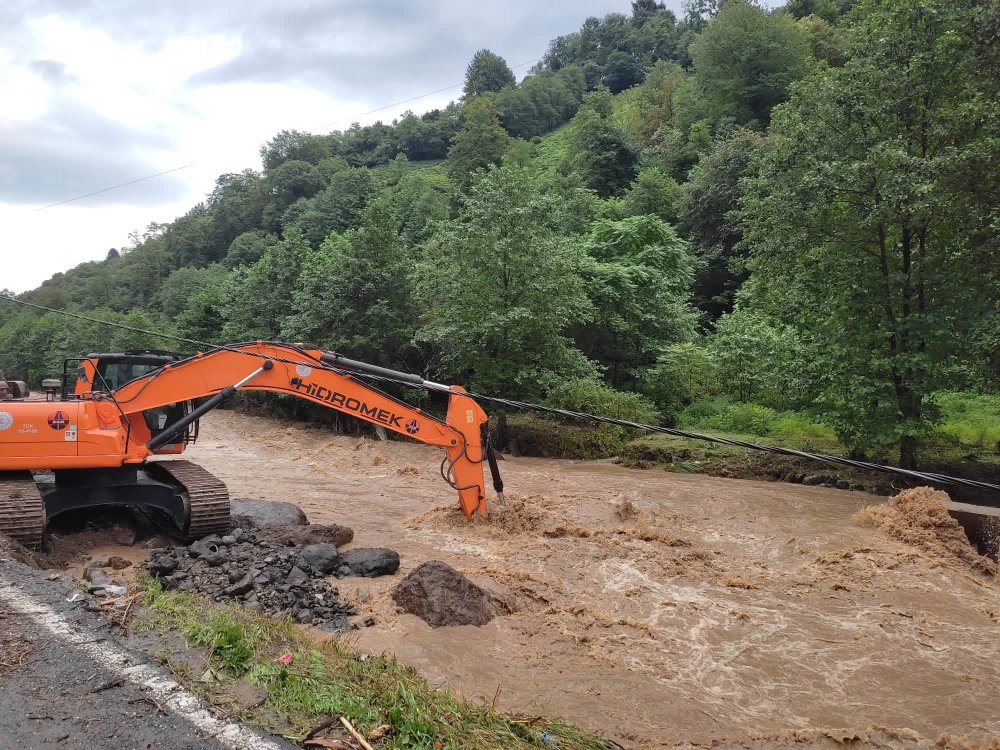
(207, 496)
(22, 510)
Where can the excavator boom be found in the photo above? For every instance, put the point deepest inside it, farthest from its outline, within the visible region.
(322, 378)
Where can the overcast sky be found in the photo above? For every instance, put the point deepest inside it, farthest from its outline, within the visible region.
(99, 92)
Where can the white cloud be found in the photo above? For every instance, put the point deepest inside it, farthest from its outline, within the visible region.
(100, 93)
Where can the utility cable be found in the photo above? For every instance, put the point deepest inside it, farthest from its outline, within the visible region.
(111, 323)
(353, 118)
(930, 477)
(836, 460)
(115, 187)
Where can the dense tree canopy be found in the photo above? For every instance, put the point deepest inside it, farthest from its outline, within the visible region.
(603, 155)
(500, 288)
(638, 276)
(871, 209)
(746, 59)
(707, 203)
(481, 141)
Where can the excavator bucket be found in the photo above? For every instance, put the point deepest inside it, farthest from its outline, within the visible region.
(466, 462)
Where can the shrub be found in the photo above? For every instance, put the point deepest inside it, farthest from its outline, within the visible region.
(550, 437)
(795, 427)
(757, 359)
(682, 374)
(594, 397)
(529, 435)
(738, 417)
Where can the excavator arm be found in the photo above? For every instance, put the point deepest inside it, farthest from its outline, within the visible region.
(322, 377)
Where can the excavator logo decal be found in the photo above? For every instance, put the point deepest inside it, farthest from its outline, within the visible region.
(349, 403)
(412, 426)
(58, 420)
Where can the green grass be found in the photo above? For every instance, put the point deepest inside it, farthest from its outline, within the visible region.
(971, 419)
(965, 442)
(553, 148)
(548, 438)
(425, 165)
(329, 679)
(675, 453)
(756, 423)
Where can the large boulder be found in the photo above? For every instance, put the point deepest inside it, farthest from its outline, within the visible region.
(440, 595)
(319, 558)
(314, 533)
(368, 563)
(265, 514)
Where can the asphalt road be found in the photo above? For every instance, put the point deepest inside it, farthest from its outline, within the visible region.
(66, 681)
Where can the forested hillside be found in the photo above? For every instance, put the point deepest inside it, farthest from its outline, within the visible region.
(736, 218)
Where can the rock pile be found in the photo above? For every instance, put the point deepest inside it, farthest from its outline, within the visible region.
(254, 568)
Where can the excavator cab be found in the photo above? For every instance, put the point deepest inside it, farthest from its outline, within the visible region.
(99, 375)
(106, 372)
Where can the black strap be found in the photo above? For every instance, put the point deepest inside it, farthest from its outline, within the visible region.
(491, 459)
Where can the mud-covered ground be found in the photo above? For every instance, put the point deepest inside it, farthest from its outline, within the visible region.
(657, 608)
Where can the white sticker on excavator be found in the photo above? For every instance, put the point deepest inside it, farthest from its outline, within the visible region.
(303, 371)
(6, 420)
(71, 434)
(470, 416)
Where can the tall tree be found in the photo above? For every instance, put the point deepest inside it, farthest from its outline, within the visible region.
(653, 193)
(746, 58)
(638, 275)
(480, 142)
(602, 152)
(355, 293)
(622, 71)
(488, 72)
(828, 10)
(873, 216)
(419, 200)
(500, 286)
(289, 145)
(287, 183)
(235, 206)
(257, 298)
(708, 199)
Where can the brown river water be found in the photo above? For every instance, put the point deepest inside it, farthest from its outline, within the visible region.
(658, 609)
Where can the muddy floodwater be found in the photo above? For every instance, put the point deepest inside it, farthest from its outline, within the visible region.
(656, 608)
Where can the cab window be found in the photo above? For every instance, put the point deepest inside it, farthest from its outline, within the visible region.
(117, 374)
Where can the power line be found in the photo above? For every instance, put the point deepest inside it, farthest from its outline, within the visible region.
(111, 323)
(115, 187)
(381, 109)
(353, 118)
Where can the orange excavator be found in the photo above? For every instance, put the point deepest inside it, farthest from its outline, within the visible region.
(97, 440)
